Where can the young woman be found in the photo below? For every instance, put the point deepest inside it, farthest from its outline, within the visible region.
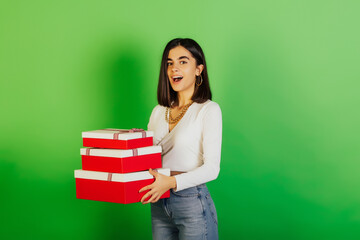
(188, 126)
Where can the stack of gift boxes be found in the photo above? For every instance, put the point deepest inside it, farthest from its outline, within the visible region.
(115, 165)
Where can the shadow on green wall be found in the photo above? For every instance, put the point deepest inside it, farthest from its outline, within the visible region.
(125, 79)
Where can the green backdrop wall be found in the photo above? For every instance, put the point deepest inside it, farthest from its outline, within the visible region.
(285, 73)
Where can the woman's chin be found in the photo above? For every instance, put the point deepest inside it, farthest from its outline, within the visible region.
(176, 88)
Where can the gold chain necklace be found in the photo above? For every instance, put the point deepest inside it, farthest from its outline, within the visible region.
(172, 120)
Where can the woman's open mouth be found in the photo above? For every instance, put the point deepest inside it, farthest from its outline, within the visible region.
(177, 78)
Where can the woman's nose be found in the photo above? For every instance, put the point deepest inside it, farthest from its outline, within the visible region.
(174, 68)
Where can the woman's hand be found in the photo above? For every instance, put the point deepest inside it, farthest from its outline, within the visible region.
(161, 184)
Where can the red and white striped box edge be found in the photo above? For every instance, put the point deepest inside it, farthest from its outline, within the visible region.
(119, 153)
(118, 177)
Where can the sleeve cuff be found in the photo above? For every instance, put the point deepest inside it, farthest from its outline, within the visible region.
(178, 183)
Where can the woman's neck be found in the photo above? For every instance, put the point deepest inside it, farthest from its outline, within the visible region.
(184, 97)
(182, 100)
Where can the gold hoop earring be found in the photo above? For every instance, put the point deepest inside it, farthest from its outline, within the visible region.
(201, 81)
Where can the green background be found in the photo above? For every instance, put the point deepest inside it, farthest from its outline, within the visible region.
(285, 73)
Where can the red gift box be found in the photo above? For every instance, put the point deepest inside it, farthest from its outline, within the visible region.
(114, 187)
(118, 138)
(121, 161)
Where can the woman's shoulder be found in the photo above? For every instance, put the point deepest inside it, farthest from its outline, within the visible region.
(210, 106)
(155, 117)
(158, 109)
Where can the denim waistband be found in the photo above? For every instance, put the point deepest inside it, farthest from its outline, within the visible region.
(201, 185)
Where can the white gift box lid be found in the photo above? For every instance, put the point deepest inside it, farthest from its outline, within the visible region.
(109, 134)
(118, 177)
(120, 153)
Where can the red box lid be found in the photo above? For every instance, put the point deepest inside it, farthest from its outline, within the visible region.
(118, 134)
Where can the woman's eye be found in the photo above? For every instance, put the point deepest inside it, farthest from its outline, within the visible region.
(181, 62)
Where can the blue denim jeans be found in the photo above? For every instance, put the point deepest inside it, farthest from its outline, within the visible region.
(188, 214)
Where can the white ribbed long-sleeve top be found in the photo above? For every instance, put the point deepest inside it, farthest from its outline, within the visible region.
(193, 146)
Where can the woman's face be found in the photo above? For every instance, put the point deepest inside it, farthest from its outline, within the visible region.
(182, 70)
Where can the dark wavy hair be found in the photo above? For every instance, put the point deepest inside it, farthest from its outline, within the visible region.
(165, 94)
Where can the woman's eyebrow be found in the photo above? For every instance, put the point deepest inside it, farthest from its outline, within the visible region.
(179, 58)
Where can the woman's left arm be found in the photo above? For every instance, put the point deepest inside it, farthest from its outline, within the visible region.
(211, 143)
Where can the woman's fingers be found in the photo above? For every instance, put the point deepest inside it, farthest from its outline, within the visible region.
(146, 195)
(156, 189)
(156, 199)
(152, 198)
(153, 172)
(146, 188)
